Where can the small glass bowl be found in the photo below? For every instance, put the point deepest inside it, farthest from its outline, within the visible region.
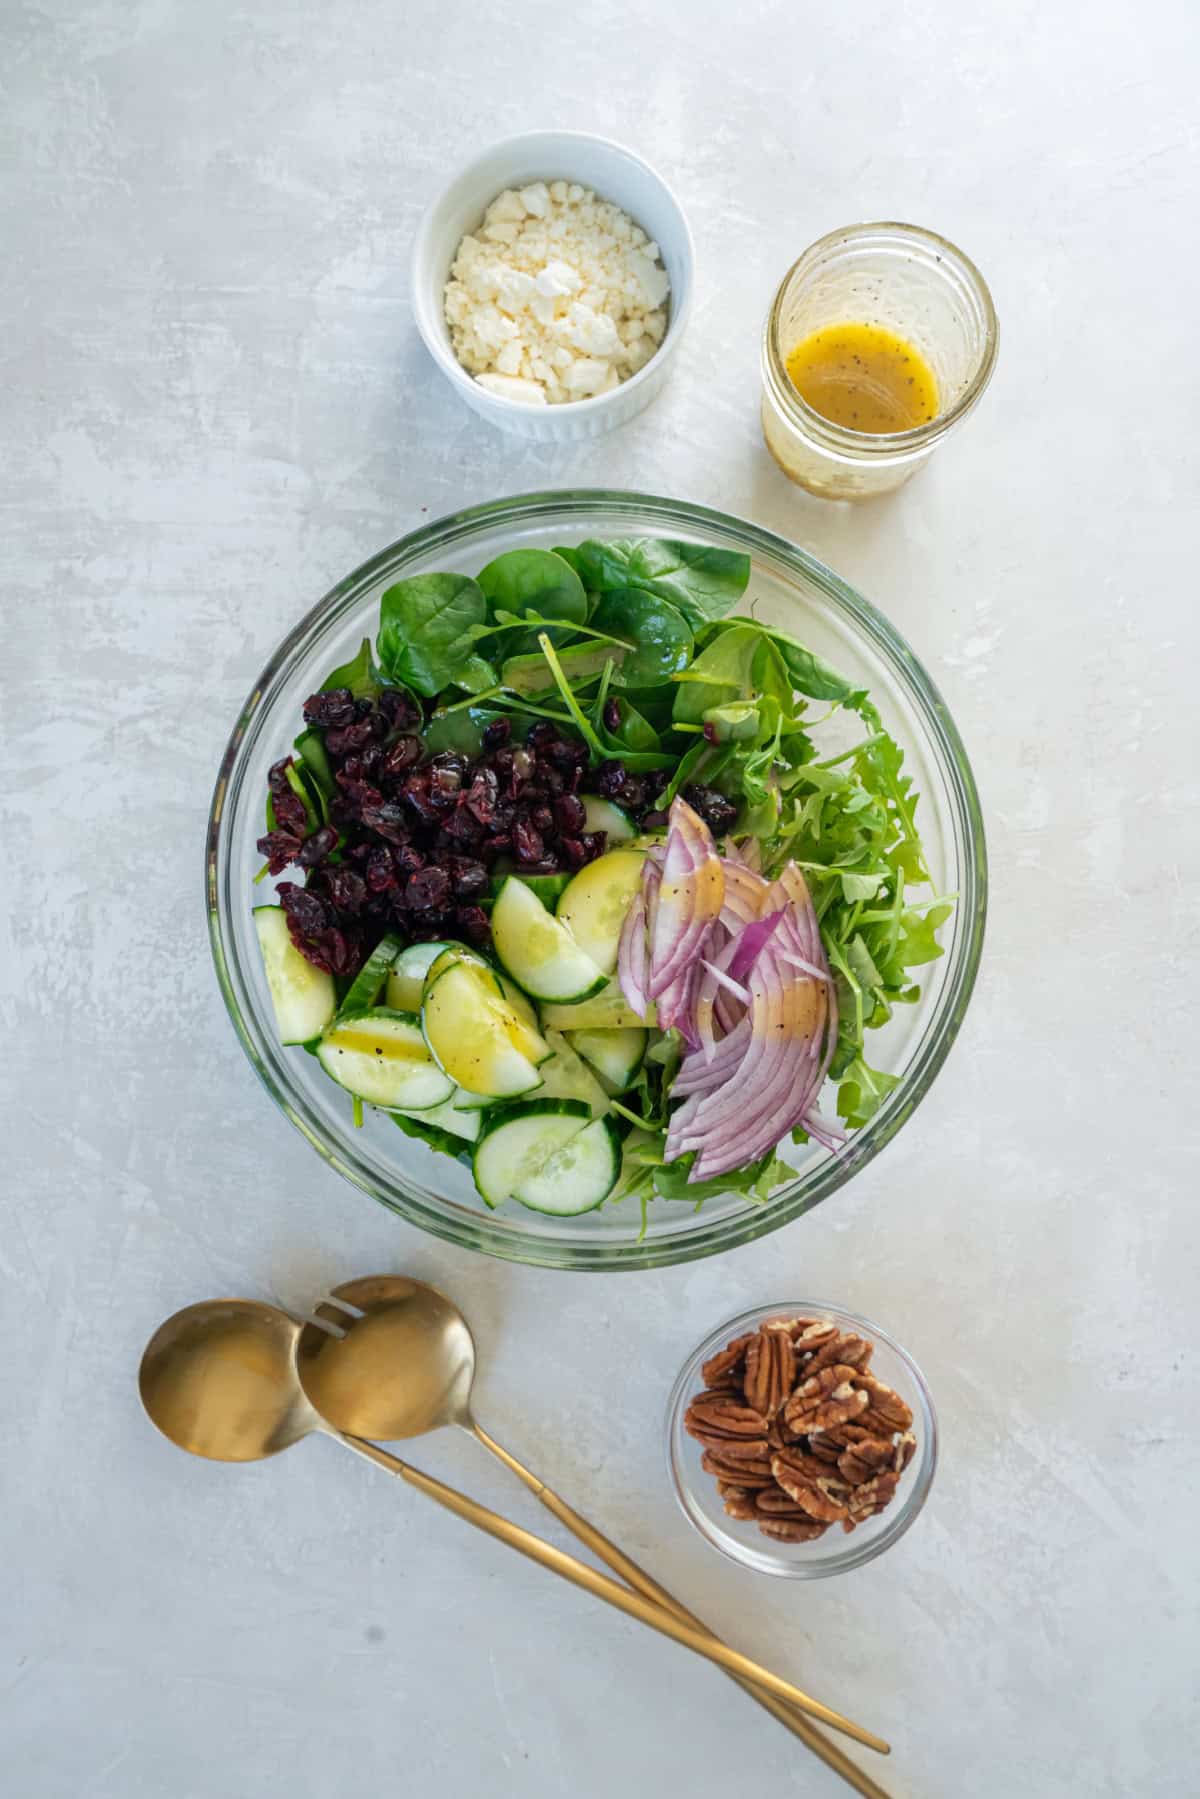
(919, 285)
(835, 1552)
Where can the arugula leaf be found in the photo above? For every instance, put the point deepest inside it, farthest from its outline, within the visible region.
(360, 674)
(756, 1181)
(862, 1092)
(701, 582)
(426, 631)
(661, 638)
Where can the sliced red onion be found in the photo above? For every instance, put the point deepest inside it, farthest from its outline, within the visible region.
(751, 942)
(689, 901)
(631, 957)
(726, 981)
(799, 962)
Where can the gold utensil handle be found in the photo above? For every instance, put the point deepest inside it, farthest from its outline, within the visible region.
(629, 1571)
(601, 1587)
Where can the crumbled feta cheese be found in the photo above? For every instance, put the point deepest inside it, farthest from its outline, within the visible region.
(556, 296)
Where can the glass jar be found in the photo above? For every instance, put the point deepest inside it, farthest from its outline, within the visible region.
(917, 285)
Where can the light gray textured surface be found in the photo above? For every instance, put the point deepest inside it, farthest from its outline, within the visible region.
(215, 404)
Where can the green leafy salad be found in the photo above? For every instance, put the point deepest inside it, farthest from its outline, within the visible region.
(586, 897)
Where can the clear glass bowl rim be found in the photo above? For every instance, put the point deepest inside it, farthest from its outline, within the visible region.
(881, 445)
(898, 1518)
(568, 508)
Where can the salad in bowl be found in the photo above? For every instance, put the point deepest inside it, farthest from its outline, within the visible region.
(595, 883)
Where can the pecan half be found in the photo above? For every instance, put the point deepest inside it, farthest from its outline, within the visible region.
(715, 1419)
(725, 1368)
(825, 1400)
(851, 1352)
(885, 1405)
(792, 1530)
(906, 1448)
(738, 1502)
(873, 1495)
(743, 1471)
(775, 1503)
(819, 1494)
(862, 1460)
(770, 1369)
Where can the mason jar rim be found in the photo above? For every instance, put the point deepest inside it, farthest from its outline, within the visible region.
(882, 446)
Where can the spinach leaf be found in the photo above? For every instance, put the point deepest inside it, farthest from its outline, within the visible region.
(360, 674)
(476, 675)
(633, 732)
(701, 582)
(721, 674)
(461, 728)
(581, 663)
(809, 675)
(426, 636)
(538, 581)
(661, 638)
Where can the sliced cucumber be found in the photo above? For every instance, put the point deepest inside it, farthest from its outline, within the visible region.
(471, 1033)
(518, 1140)
(447, 1117)
(615, 1055)
(365, 988)
(567, 1076)
(458, 952)
(407, 977)
(466, 1101)
(608, 1010)
(594, 906)
(303, 997)
(539, 953)
(382, 1057)
(578, 1177)
(601, 815)
(310, 747)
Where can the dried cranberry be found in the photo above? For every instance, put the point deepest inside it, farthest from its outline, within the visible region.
(569, 814)
(291, 814)
(499, 845)
(403, 753)
(654, 821)
(428, 887)
(482, 795)
(573, 852)
(467, 876)
(552, 781)
(304, 909)
(341, 740)
(612, 715)
(594, 843)
(399, 708)
(717, 812)
(280, 848)
(498, 732)
(541, 734)
(462, 827)
(502, 762)
(335, 708)
(387, 819)
(381, 871)
(407, 859)
(347, 889)
(611, 778)
(542, 819)
(344, 955)
(472, 923)
(318, 846)
(564, 754)
(633, 793)
(527, 842)
(523, 765)
(416, 796)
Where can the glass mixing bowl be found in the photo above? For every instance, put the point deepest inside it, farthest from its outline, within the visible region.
(787, 588)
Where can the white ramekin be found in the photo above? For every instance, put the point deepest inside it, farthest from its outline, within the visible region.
(615, 174)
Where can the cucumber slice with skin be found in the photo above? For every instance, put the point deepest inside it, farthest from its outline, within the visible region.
(447, 1117)
(609, 1010)
(537, 950)
(579, 1176)
(567, 1076)
(518, 1140)
(595, 905)
(365, 988)
(615, 1055)
(547, 887)
(381, 1056)
(471, 1035)
(458, 952)
(406, 981)
(304, 998)
(601, 815)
